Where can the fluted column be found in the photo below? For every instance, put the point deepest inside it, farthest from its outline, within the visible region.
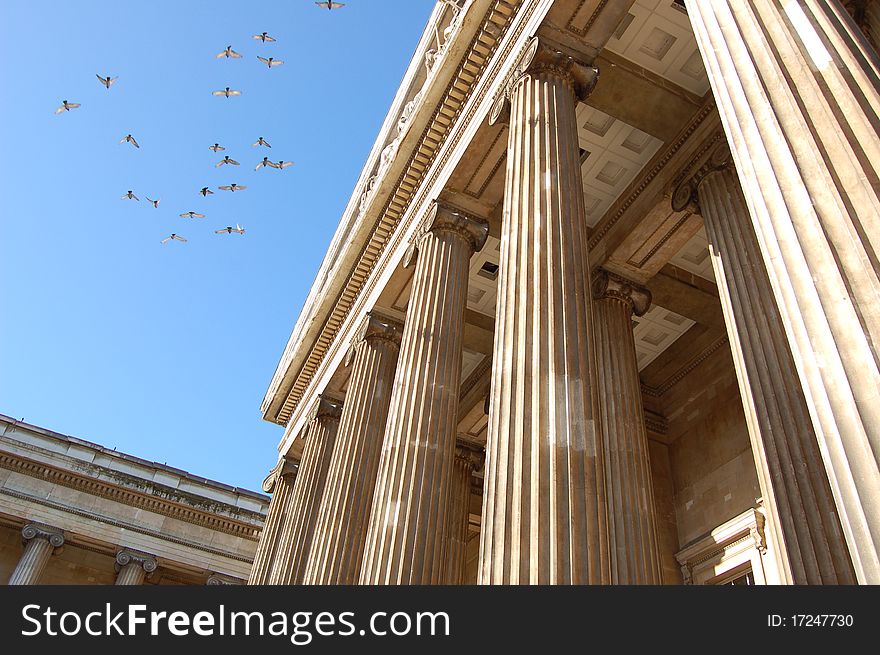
(632, 520)
(133, 566)
(794, 485)
(341, 527)
(544, 515)
(467, 459)
(40, 541)
(405, 536)
(798, 93)
(279, 483)
(298, 528)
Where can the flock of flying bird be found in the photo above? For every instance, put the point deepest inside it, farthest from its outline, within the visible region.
(228, 92)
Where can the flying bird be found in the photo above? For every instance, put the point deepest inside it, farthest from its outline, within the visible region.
(271, 61)
(232, 187)
(226, 160)
(130, 139)
(66, 106)
(261, 142)
(176, 237)
(227, 92)
(106, 81)
(263, 163)
(216, 147)
(229, 52)
(238, 229)
(264, 37)
(130, 196)
(192, 215)
(330, 5)
(282, 164)
(205, 191)
(155, 203)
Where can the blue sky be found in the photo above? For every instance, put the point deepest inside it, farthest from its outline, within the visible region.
(166, 351)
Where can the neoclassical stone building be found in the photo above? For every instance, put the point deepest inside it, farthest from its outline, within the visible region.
(602, 308)
(74, 512)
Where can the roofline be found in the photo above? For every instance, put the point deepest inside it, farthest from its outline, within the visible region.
(347, 241)
(132, 458)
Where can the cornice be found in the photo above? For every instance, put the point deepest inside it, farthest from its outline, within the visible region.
(157, 505)
(410, 186)
(127, 525)
(681, 373)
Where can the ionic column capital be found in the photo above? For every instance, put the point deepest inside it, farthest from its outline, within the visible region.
(540, 58)
(54, 536)
(127, 556)
(285, 468)
(443, 217)
(375, 325)
(607, 285)
(469, 454)
(326, 406)
(685, 195)
(220, 579)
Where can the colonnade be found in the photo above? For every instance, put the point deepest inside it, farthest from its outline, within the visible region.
(791, 205)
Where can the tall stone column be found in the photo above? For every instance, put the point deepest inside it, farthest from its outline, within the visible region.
(405, 536)
(133, 566)
(794, 485)
(632, 519)
(341, 527)
(467, 459)
(279, 483)
(295, 540)
(544, 514)
(40, 541)
(797, 90)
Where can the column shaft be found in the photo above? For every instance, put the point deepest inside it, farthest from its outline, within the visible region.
(798, 95)
(405, 542)
(131, 574)
(341, 527)
(544, 515)
(632, 520)
(459, 513)
(32, 563)
(280, 484)
(39, 544)
(797, 493)
(296, 537)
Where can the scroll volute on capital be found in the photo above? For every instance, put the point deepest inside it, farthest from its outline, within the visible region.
(539, 56)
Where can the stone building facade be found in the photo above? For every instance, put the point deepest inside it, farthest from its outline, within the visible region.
(602, 308)
(73, 512)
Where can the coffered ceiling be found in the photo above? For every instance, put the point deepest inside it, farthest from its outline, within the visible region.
(657, 35)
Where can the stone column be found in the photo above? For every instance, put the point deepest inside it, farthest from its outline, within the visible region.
(632, 519)
(797, 90)
(405, 536)
(279, 483)
(295, 540)
(133, 566)
(544, 515)
(794, 485)
(40, 541)
(341, 527)
(467, 459)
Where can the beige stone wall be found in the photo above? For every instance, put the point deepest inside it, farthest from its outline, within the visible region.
(10, 551)
(711, 462)
(105, 501)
